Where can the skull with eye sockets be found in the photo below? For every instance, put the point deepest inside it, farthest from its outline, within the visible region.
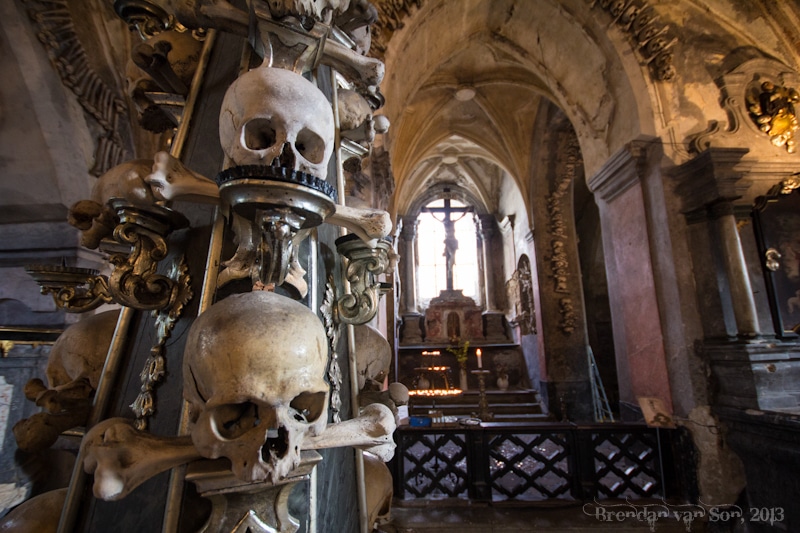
(275, 117)
(254, 369)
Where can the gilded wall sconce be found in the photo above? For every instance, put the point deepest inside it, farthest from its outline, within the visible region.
(364, 265)
(138, 244)
(74, 289)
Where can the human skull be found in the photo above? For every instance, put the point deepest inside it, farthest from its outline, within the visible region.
(254, 368)
(273, 116)
(373, 357)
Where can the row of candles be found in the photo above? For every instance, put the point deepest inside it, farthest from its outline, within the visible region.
(478, 353)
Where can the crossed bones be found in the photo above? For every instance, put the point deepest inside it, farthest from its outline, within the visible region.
(122, 457)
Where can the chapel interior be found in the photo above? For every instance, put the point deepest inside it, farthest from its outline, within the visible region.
(478, 255)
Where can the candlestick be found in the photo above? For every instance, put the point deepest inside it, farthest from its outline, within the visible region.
(480, 361)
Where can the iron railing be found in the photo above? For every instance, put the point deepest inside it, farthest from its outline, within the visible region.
(535, 462)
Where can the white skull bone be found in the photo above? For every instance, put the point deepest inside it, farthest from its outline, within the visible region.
(254, 371)
(273, 116)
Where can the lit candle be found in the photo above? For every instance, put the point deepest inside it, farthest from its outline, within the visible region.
(480, 361)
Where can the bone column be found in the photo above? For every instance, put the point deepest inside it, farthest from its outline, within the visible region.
(486, 228)
(409, 287)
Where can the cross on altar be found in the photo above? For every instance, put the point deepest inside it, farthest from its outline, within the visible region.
(450, 241)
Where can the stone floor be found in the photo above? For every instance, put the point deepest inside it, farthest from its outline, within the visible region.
(437, 517)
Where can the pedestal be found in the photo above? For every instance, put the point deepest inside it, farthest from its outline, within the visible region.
(411, 332)
(483, 404)
(255, 507)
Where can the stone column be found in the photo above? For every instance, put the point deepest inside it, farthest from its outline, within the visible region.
(709, 184)
(634, 298)
(411, 332)
(565, 377)
(486, 229)
(408, 236)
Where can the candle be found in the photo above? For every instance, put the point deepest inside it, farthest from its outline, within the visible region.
(480, 362)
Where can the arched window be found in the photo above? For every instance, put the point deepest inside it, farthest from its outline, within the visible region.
(433, 250)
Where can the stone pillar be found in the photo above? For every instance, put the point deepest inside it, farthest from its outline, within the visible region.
(565, 373)
(408, 236)
(411, 332)
(639, 339)
(709, 184)
(486, 229)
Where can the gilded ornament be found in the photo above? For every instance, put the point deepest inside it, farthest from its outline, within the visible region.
(772, 108)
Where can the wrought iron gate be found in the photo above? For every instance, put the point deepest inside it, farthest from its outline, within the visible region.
(537, 462)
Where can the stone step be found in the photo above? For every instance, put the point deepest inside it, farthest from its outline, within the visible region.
(473, 396)
(440, 517)
(507, 406)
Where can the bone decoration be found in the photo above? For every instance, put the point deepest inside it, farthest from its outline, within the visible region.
(121, 457)
(171, 180)
(255, 387)
(73, 371)
(125, 181)
(275, 117)
(221, 15)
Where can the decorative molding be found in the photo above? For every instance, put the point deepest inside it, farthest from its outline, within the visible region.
(74, 289)
(363, 266)
(56, 31)
(328, 309)
(756, 98)
(652, 38)
(621, 171)
(390, 19)
(155, 367)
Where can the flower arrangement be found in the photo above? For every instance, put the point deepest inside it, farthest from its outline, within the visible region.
(501, 370)
(460, 351)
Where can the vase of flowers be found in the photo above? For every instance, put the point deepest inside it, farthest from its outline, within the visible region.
(460, 350)
(502, 377)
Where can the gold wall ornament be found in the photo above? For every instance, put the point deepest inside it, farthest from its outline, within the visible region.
(139, 243)
(772, 108)
(772, 259)
(6, 347)
(74, 289)
(789, 185)
(364, 264)
(155, 367)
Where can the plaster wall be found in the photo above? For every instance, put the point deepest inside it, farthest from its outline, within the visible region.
(45, 143)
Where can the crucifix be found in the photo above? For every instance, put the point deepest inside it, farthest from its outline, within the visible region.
(450, 241)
